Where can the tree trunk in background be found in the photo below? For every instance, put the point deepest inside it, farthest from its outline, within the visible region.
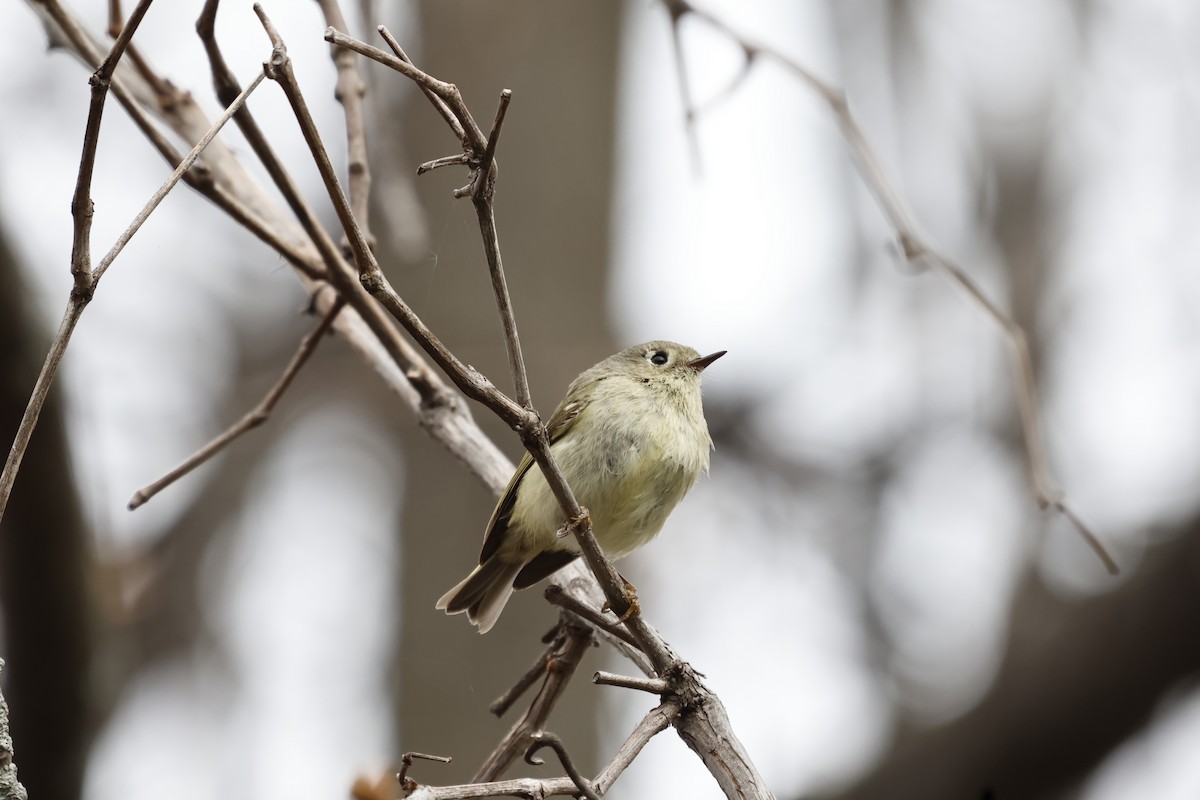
(43, 570)
(555, 170)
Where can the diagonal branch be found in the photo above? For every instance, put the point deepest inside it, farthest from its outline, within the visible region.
(917, 250)
(88, 278)
(573, 642)
(655, 722)
(81, 202)
(255, 417)
(349, 92)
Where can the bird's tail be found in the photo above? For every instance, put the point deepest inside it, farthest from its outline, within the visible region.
(482, 594)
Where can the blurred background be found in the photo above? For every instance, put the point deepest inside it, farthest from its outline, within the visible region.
(864, 578)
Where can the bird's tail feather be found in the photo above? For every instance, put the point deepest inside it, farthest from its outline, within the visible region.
(482, 594)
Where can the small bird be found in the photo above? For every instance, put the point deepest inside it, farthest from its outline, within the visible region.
(630, 439)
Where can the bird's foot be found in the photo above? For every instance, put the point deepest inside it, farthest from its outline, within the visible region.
(634, 606)
(584, 518)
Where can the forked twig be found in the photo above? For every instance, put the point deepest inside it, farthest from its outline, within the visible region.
(656, 721)
(255, 417)
(916, 249)
(85, 277)
(349, 92)
(544, 739)
(573, 642)
(707, 732)
(518, 415)
(651, 685)
(540, 666)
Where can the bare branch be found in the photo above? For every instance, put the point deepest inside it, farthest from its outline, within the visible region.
(471, 382)
(255, 417)
(10, 786)
(444, 161)
(171, 181)
(505, 701)
(439, 105)
(543, 739)
(81, 203)
(349, 92)
(482, 191)
(555, 594)
(652, 724)
(573, 643)
(406, 761)
(446, 92)
(916, 249)
(717, 746)
(651, 685)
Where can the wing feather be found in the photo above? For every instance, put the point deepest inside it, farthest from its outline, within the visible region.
(563, 420)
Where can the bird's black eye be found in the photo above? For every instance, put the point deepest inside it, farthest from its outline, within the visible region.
(659, 357)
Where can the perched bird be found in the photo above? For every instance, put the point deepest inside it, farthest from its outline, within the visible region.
(630, 439)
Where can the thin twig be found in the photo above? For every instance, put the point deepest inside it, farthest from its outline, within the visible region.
(462, 159)
(174, 178)
(656, 721)
(349, 91)
(575, 641)
(677, 9)
(446, 92)
(524, 421)
(504, 702)
(543, 739)
(481, 189)
(651, 685)
(255, 417)
(81, 203)
(471, 382)
(406, 762)
(84, 280)
(576, 590)
(489, 153)
(917, 249)
(554, 594)
(439, 105)
(483, 193)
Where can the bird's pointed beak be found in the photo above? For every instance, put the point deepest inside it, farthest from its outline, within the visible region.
(699, 364)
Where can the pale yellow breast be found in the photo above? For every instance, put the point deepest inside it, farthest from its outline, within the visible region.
(630, 458)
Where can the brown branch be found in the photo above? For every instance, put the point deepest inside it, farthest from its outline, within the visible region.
(556, 595)
(438, 104)
(543, 739)
(349, 91)
(171, 181)
(573, 642)
(85, 278)
(255, 417)
(482, 190)
(10, 786)
(81, 202)
(652, 724)
(436, 407)
(446, 92)
(917, 249)
(713, 740)
(520, 417)
(540, 667)
(471, 382)
(221, 179)
(651, 685)
(449, 420)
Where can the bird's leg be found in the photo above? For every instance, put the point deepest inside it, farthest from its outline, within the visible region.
(584, 518)
(634, 606)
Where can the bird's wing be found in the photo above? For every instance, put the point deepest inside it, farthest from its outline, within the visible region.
(563, 420)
